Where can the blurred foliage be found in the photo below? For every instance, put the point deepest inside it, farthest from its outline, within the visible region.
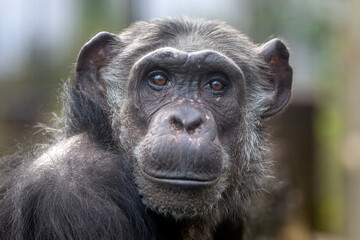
(329, 188)
(106, 15)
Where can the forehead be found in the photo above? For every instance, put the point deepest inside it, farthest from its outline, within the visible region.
(188, 62)
(183, 34)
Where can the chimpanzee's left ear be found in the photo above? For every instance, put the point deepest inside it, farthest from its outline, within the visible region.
(276, 55)
(94, 55)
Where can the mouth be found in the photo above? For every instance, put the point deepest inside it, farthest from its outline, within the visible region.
(185, 182)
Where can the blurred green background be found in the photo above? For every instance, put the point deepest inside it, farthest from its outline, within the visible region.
(317, 139)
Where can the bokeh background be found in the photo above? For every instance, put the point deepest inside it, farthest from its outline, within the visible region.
(317, 139)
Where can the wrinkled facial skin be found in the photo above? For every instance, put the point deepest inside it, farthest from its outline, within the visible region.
(187, 104)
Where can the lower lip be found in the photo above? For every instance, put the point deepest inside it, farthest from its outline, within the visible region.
(181, 183)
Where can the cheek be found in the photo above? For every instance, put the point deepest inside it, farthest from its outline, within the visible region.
(227, 110)
(128, 128)
(227, 115)
(148, 100)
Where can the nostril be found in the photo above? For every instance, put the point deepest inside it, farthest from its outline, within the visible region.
(193, 126)
(176, 124)
(186, 119)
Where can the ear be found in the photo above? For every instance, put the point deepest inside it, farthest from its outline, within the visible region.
(93, 56)
(276, 55)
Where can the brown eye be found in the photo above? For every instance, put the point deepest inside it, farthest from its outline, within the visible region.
(216, 85)
(158, 79)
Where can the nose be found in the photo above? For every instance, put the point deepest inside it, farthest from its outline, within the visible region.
(186, 118)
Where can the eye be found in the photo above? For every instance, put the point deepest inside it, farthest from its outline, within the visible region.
(217, 84)
(157, 80)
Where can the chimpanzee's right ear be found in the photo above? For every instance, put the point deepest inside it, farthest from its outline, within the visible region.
(94, 55)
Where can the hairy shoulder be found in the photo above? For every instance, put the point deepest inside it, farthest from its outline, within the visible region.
(71, 156)
(74, 182)
(75, 165)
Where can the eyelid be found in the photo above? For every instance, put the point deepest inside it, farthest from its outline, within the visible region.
(218, 75)
(158, 71)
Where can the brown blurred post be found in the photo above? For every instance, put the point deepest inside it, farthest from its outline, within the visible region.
(352, 122)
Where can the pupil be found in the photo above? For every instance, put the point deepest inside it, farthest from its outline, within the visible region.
(216, 85)
(159, 80)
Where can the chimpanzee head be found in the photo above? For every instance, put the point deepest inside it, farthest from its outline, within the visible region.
(186, 100)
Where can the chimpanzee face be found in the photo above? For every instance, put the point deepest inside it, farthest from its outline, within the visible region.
(185, 101)
(189, 117)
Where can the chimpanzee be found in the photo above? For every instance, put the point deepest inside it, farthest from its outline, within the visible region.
(162, 138)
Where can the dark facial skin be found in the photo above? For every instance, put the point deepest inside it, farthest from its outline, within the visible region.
(191, 77)
(185, 102)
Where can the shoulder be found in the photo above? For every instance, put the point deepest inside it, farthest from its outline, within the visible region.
(84, 190)
(73, 154)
